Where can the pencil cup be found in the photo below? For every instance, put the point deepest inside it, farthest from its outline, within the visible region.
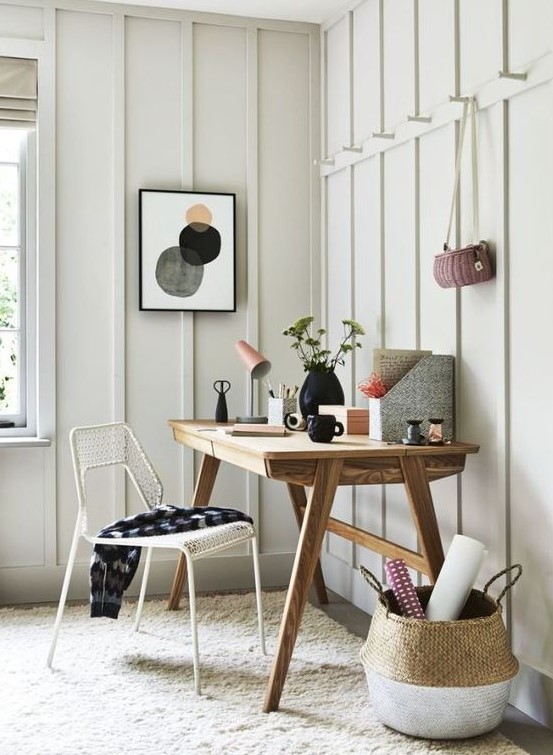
(279, 408)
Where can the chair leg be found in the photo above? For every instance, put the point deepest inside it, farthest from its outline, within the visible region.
(145, 576)
(64, 591)
(193, 622)
(257, 575)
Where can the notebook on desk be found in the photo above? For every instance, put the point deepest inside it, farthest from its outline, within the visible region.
(274, 431)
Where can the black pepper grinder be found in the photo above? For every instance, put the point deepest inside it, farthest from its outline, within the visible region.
(221, 411)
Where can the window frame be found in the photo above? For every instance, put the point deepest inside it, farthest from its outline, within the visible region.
(26, 419)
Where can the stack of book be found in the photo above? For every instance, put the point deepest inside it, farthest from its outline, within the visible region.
(355, 419)
(244, 428)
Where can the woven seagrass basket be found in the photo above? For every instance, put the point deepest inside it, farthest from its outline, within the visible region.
(439, 679)
(465, 266)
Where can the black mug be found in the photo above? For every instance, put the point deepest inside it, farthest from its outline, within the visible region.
(321, 428)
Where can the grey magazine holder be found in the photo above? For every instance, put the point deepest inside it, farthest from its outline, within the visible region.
(426, 391)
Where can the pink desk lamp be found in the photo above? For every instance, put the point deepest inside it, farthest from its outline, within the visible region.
(258, 367)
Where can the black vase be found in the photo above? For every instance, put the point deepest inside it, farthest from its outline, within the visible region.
(319, 388)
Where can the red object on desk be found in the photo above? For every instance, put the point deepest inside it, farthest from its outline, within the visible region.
(373, 386)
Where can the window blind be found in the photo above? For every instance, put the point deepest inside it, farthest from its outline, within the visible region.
(18, 92)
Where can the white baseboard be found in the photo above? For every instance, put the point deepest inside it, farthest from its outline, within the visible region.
(347, 581)
(532, 693)
(221, 573)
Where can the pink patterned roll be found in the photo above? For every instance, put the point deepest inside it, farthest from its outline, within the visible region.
(401, 585)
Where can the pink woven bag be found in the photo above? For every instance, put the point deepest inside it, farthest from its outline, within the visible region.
(469, 264)
(454, 268)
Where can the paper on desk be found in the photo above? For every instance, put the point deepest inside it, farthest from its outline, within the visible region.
(393, 364)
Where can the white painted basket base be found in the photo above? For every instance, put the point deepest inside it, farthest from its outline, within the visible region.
(437, 712)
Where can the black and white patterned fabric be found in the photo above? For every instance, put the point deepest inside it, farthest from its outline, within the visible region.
(113, 566)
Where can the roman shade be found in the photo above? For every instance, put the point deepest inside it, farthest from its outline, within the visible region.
(18, 92)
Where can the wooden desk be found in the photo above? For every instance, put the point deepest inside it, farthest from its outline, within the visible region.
(348, 460)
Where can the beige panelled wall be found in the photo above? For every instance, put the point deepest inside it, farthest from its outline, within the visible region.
(162, 99)
(385, 206)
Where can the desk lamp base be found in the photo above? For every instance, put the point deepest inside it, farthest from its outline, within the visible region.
(252, 420)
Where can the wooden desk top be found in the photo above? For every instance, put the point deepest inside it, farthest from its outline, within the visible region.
(293, 458)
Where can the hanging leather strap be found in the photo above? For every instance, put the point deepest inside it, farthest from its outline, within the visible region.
(468, 105)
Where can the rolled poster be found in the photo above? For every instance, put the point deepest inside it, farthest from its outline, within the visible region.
(456, 579)
(403, 588)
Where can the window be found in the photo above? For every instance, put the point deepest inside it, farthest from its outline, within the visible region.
(18, 108)
(17, 259)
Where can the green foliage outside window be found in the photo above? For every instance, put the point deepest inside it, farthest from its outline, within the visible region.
(8, 354)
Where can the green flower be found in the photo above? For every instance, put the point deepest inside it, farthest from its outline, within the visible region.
(308, 344)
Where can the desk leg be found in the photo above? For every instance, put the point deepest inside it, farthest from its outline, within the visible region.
(299, 502)
(202, 494)
(312, 533)
(423, 513)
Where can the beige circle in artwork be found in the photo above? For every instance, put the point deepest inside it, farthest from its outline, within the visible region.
(199, 213)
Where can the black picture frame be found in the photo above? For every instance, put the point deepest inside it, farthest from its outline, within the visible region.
(187, 251)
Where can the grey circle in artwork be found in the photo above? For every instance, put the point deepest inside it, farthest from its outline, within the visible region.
(175, 276)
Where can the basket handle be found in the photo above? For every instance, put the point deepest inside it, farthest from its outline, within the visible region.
(375, 584)
(509, 584)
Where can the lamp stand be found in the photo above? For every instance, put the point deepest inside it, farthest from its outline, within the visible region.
(252, 420)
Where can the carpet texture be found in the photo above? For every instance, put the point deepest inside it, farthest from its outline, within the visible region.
(114, 691)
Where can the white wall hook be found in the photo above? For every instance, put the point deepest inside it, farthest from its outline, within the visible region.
(509, 75)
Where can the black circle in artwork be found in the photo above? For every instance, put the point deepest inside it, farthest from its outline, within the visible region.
(175, 276)
(199, 243)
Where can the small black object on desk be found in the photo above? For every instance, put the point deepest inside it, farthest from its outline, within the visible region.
(321, 428)
(221, 412)
(414, 437)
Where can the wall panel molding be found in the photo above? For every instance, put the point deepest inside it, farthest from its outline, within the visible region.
(187, 182)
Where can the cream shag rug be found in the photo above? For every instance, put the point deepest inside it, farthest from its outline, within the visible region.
(114, 691)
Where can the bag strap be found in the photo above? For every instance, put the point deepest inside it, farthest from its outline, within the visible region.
(468, 105)
(372, 580)
(508, 570)
(376, 586)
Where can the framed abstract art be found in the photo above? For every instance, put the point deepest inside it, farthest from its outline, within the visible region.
(187, 251)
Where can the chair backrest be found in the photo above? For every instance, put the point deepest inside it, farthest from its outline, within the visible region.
(96, 446)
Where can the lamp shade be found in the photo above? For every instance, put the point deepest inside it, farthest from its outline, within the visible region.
(257, 367)
(255, 363)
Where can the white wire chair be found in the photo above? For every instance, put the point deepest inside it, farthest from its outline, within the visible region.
(98, 446)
